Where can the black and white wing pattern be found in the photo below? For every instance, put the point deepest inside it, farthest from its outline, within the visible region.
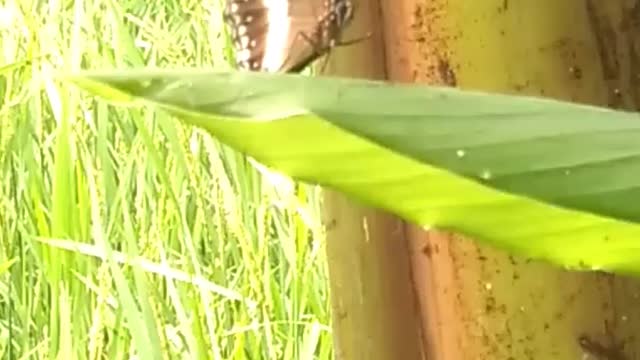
(285, 35)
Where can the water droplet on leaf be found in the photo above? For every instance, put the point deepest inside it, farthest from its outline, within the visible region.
(486, 174)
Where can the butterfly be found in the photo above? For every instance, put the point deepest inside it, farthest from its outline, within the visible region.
(285, 35)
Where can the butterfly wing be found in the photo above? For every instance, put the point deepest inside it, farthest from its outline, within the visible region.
(248, 22)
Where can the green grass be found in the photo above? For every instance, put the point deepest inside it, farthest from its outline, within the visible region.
(125, 234)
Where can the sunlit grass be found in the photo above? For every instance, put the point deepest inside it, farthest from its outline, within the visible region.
(125, 234)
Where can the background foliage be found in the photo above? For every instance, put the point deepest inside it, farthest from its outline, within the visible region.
(207, 256)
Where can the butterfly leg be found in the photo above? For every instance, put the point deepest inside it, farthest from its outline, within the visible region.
(356, 40)
(314, 45)
(342, 43)
(327, 56)
(325, 62)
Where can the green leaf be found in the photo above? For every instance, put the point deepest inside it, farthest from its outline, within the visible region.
(6, 265)
(542, 178)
